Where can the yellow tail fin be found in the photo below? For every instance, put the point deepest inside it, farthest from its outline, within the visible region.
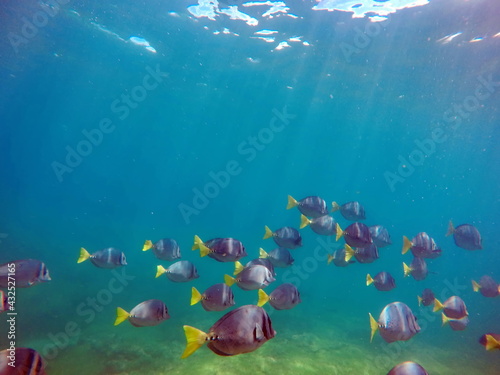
(369, 280)
(329, 258)
(406, 269)
(373, 326)
(407, 244)
(195, 296)
(263, 298)
(475, 286)
(451, 229)
(492, 343)
(197, 242)
(437, 305)
(84, 255)
(160, 271)
(340, 232)
(419, 300)
(121, 316)
(268, 234)
(204, 250)
(349, 253)
(335, 206)
(195, 340)
(147, 245)
(291, 202)
(262, 253)
(444, 319)
(238, 267)
(304, 221)
(229, 280)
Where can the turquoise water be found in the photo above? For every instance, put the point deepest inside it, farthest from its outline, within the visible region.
(232, 118)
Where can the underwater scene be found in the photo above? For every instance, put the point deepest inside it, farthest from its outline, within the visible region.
(250, 187)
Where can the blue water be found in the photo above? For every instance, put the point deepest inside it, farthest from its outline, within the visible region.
(230, 118)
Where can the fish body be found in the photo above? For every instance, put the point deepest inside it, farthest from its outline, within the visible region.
(422, 246)
(408, 368)
(179, 272)
(164, 249)
(218, 297)
(279, 257)
(242, 330)
(251, 278)
(396, 323)
(355, 235)
(465, 236)
(148, 313)
(25, 273)
(487, 286)
(27, 362)
(352, 211)
(286, 237)
(380, 236)
(312, 206)
(109, 258)
(383, 281)
(284, 297)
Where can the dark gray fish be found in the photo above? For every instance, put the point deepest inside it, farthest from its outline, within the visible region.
(146, 314)
(338, 258)
(408, 368)
(251, 278)
(220, 249)
(109, 257)
(422, 246)
(454, 307)
(242, 330)
(396, 323)
(427, 297)
(417, 269)
(352, 211)
(380, 236)
(284, 297)
(26, 362)
(383, 281)
(487, 286)
(286, 237)
(310, 206)
(4, 305)
(216, 298)
(355, 235)
(465, 236)
(324, 225)
(179, 272)
(27, 272)
(164, 249)
(279, 257)
(456, 324)
(362, 254)
(263, 262)
(490, 341)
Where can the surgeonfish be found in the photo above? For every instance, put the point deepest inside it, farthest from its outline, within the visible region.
(164, 249)
(286, 237)
(417, 269)
(454, 307)
(242, 330)
(218, 297)
(422, 246)
(263, 262)
(146, 314)
(26, 273)
(324, 225)
(27, 362)
(362, 254)
(109, 257)
(487, 286)
(220, 249)
(456, 324)
(465, 236)
(396, 323)
(383, 281)
(284, 297)
(279, 257)
(355, 235)
(408, 368)
(250, 278)
(380, 236)
(312, 206)
(427, 297)
(179, 272)
(338, 258)
(352, 211)
(490, 341)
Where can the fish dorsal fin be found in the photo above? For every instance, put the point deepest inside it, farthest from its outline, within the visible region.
(259, 335)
